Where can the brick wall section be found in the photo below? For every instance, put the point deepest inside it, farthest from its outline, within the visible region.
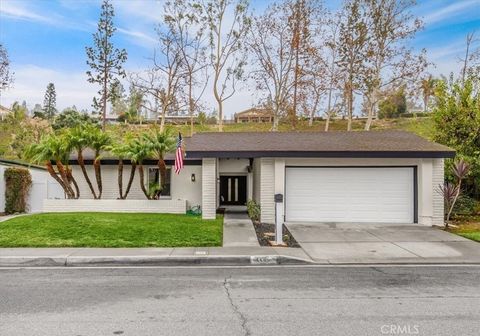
(104, 205)
(437, 180)
(209, 188)
(267, 190)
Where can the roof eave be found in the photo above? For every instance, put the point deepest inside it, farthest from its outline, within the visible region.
(321, 154)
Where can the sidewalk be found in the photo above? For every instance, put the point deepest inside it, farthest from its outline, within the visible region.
(18, 257)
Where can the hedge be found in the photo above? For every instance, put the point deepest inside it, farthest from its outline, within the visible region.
(17, 186)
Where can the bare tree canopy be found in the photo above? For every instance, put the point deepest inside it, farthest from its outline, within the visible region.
(226, 40)
(6, 77)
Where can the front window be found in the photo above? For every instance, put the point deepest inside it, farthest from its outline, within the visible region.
(154, 182)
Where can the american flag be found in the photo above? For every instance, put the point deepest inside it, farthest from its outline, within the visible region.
(179, 155)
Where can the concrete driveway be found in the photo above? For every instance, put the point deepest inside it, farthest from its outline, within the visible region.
(383, 243)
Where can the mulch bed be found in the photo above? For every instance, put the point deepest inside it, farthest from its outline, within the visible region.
(266, 233)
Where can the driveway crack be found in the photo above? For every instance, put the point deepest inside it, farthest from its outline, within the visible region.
(236, 310)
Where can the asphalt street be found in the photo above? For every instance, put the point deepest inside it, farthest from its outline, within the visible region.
(417, 300)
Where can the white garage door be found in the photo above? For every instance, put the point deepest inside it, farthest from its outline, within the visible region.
(375, 195)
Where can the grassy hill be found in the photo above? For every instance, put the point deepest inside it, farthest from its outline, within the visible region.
(421, 126)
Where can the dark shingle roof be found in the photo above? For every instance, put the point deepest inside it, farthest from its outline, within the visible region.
(314, 144)
(305, 144)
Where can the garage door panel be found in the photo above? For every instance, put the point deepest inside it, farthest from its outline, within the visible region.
(322, 194)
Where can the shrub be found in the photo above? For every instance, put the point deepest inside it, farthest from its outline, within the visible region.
(465, 205)
(253, 210)
(17, 185)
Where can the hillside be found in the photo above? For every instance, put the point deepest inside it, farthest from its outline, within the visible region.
(421, 126)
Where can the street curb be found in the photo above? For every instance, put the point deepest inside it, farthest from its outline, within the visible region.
(79, 261)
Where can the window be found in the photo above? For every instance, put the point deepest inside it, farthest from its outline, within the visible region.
(154, 179)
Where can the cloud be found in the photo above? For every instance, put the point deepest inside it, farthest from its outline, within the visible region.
(31, 81)
(449, 11)
(16, 10)
(139, 38)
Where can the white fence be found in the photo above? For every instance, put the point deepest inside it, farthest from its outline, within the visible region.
(178, 206)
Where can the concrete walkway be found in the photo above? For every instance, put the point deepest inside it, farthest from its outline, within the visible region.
(238, 230)
(365, 243)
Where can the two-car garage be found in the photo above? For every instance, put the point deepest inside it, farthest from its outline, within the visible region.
(350, 194)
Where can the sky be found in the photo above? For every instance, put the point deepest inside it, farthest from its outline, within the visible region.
(46, 42)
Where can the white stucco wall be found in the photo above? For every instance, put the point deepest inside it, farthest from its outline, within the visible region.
(181, 185)
(429, 177)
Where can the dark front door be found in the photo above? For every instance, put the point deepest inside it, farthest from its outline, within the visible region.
(233, 190)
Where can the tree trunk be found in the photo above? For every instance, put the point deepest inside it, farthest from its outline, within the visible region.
(162, 119)
(142, 181)
(98, 175)
(349, 107)
(71, 179)
(162, 168)
(329, 110)
(66, 182)
(120, 178)
(81, 162)
(371, 108)
(54, 174)
(190, 104)
(130, 180)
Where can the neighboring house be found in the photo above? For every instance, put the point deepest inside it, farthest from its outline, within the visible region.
(43, 186)
(4, 112)
(254, 114)
(376, 176)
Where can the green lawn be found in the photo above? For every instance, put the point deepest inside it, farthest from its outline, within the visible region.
(92, 229)
(468, 227)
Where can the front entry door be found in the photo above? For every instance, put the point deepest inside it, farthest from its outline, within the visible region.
(233, 190)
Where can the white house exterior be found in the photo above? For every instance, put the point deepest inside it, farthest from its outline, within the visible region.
(43, 186)
(374, 177)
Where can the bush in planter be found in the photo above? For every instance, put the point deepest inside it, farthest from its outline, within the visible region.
(253, 210)
(17, 185)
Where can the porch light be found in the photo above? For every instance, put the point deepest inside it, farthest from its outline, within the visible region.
(193, 177)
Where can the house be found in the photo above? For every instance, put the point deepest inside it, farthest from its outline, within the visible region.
(375, 177)
(254, 114)
(43, 186)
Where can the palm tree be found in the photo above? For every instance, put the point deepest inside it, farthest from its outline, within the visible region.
(79, 139)
(160, 143)
(99, 141)
(53, 148)
(123, 150)
(138, 150)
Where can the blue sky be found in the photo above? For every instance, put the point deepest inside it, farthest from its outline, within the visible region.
(46, 41)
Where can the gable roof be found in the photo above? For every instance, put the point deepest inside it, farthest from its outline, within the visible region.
(393, 144)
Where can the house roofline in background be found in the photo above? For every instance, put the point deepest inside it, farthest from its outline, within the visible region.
(19, 163)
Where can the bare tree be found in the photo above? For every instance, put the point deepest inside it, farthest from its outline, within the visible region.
(471, 56)
(163, 81)
(6, 78)
(352, 52)
(304, 33)
(390, 25)
(226, 37)
(273, 53)
(183, 21)
(333, 73)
